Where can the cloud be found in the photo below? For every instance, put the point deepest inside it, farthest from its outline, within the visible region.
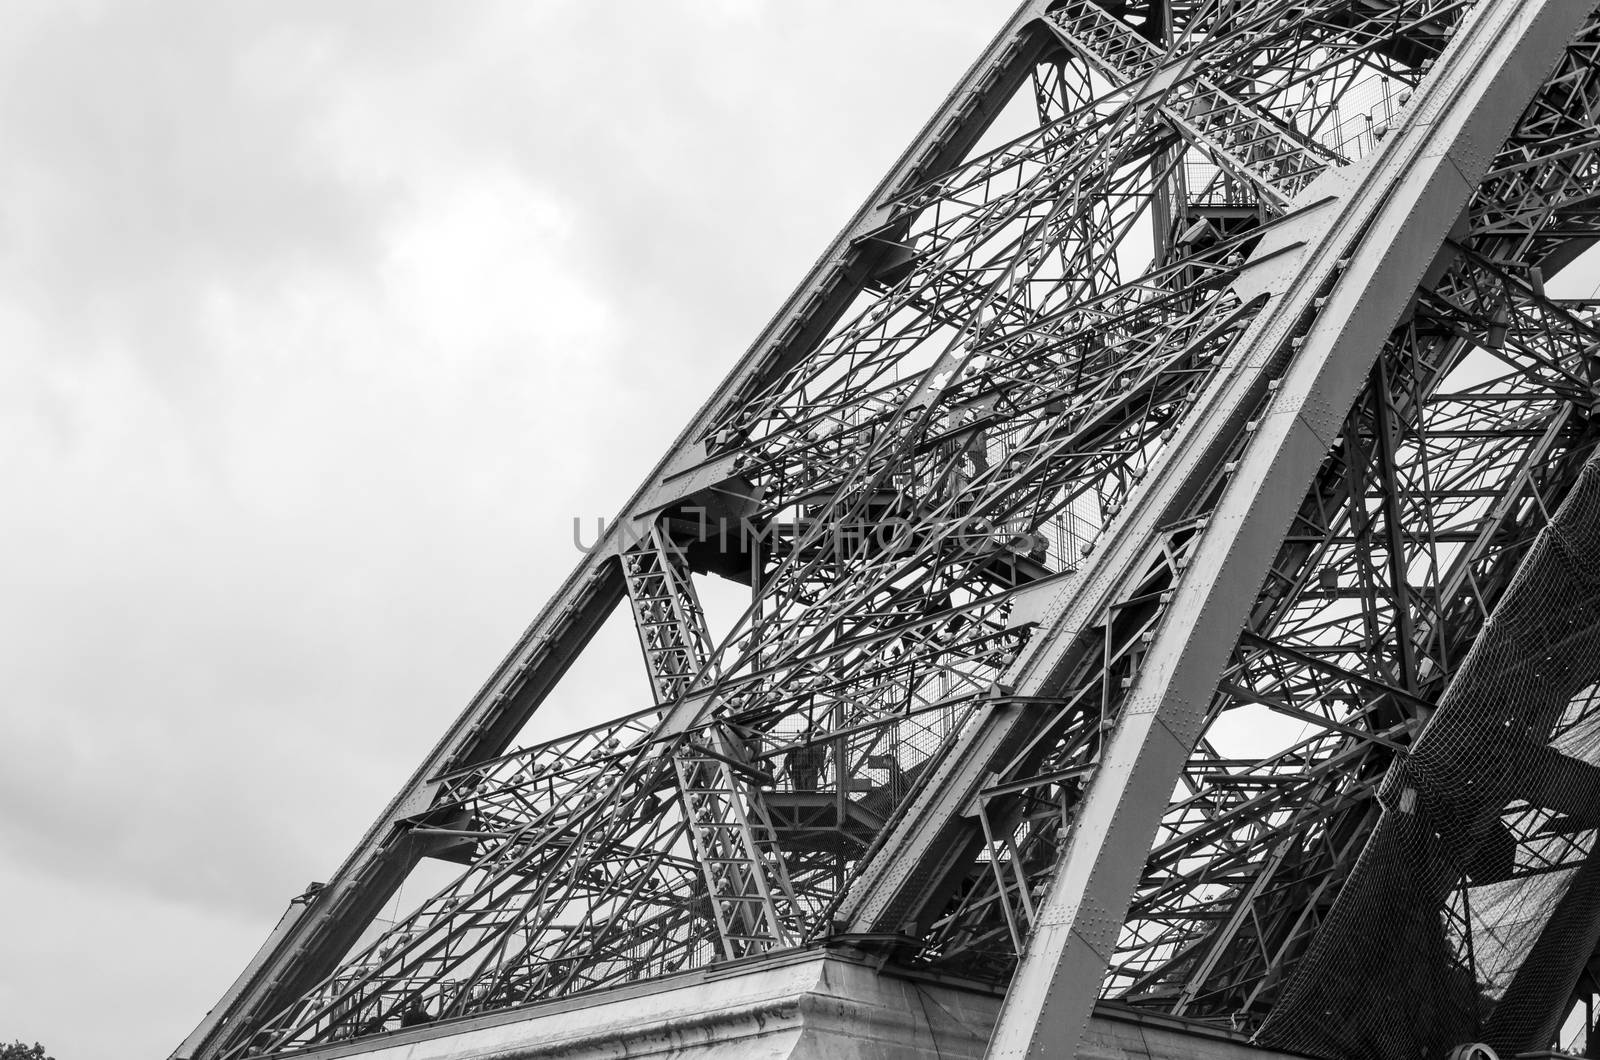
(153, 161)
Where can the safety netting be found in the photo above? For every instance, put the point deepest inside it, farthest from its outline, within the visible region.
(1475, 904)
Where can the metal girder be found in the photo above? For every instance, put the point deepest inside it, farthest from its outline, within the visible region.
(729, 828)
(666, 613)
(1249, 142)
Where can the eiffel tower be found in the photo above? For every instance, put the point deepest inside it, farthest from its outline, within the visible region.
(1167, 524)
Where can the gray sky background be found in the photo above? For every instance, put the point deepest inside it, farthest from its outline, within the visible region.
(319, 323)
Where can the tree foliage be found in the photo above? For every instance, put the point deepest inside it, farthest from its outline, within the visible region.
(19, 1051)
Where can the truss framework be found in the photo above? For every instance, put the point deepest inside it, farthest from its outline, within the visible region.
(968, 473)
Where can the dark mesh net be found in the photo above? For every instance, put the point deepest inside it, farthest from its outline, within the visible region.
(1476, 902)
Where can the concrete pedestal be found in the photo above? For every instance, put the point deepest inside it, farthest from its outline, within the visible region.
(812, 1005)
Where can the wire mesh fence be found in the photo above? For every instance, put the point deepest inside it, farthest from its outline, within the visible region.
(1476, 903)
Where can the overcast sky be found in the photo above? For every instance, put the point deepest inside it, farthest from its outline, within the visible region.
(318, 324)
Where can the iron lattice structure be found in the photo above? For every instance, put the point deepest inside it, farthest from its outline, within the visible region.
(1120, 499)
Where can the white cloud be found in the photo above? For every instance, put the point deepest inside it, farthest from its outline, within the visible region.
(485, 262)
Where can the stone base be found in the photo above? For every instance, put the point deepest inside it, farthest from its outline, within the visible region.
(809, 1005)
